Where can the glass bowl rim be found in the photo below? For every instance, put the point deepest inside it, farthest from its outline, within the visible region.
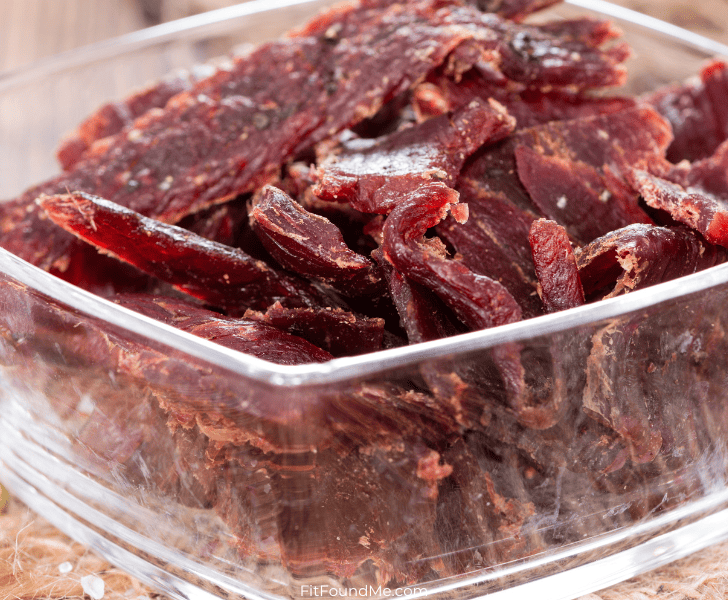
(338, 369)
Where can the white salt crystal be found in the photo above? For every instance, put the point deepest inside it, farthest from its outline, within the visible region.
(93, 586)
(65, 567)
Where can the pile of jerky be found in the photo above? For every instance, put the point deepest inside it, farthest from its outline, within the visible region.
(391, 173)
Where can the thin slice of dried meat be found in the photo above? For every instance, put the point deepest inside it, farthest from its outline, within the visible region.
(311, 245)
(111, 118)
(374, 174)
(337, 331)
(224, 277)
(638, 256)
(231, 133)
(572, 169)
(479, 301)
(530, 107)
(558, 275)
(701, 210)
(244, 335)
(494, 240)
(696, 111)
(516, 10)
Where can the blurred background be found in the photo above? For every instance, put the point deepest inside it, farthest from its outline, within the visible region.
(32, 29)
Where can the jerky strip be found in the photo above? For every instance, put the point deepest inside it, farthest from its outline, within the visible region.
(479, 301)
(638, 256)
(516, 10)
(610, 395)
(222, 276)
(530, 107)
(702, 211)
(571, 168)
(231, 133)
(311, 245)
(244, 335)
(111, 118)
(556, 268)
(372, 175)
(339, 332)
(494, 240)
(697, 113)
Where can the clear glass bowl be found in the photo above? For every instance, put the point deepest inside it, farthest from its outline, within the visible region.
(324, 490)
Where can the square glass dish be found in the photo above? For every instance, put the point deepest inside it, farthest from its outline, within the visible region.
(334, 479)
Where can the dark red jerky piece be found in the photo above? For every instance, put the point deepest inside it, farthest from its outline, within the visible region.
(638, 256)
(609, 395)
(311, 245)
(516, 10)
(372, 175)
(495, 508)
(231, 133)
(111, 118)
(552, 55)
(222, 276)
(701, 210)
(697, 113)
(478, 301)
(494, 240)
(244, 335)
(222, 223)
(571, 168)
(342, 497)
(556, 268)
(339, 332)
(528, 106)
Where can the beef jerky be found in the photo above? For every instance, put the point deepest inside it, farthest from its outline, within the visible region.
(489, 508)
(344, 498)
(230, 133)
(494, 240)
(311, 245)
(478, 301)
(244, 335)
(609, 395)
(372, 175)
(528, 106)
(516, 10)
(111, 118)
(222, 276)
(552, 55)
(696, 111)
(638, 256)
(571, 168)
(701, 210)
(556, 267)
(339, 332)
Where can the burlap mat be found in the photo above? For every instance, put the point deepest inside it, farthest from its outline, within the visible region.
(37, 562)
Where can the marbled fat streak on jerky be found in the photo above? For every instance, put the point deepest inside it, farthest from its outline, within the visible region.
(222, 276)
